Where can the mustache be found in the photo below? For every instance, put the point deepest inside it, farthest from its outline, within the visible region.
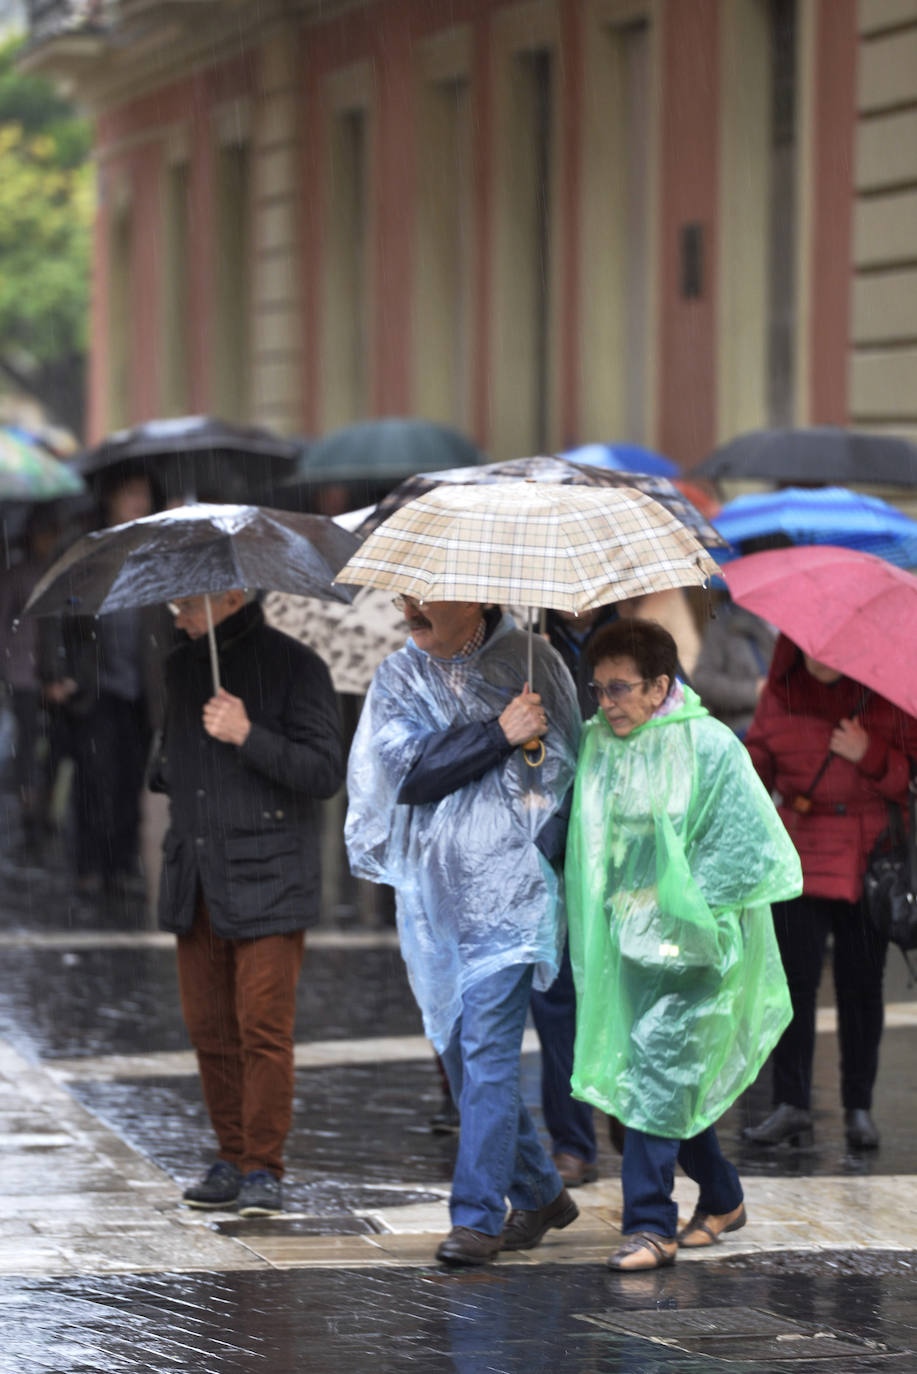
(418, 622)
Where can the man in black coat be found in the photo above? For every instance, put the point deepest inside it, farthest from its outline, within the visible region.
(244, 769)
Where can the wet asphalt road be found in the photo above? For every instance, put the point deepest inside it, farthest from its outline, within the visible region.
(360, 1130)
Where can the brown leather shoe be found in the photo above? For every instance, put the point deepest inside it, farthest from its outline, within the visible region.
(574, 1171)
(468, 1248)
(524, 1230)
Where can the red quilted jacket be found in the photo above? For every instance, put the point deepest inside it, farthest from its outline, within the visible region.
(788, 741)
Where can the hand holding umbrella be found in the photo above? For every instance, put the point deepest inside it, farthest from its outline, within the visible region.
(524, 722)
(226, 719)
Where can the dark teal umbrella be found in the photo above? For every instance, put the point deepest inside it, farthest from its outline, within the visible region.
(385, 451)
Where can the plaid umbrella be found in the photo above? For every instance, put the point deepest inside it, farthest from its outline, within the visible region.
(555, 470)
(29, 473)
(533, 543)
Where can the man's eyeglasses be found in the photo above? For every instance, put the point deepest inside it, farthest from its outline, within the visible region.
(401, 602)
(614, 691)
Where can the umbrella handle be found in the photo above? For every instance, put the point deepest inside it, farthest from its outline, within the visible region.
(212, 641)
(533, 752)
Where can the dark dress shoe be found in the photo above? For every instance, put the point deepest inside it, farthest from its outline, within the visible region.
(446, 1120)
(785, 1123)
(574, 1171)
(468, 1248)
(860, 1129)
(524, 1230)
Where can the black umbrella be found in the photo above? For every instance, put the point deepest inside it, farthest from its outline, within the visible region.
(194, 551)
(385, 451)
(822, 454)
(548, 470)
(195, 456)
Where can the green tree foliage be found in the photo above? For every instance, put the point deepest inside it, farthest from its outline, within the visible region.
(46, 212)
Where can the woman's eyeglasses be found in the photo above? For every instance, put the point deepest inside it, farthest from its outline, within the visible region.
(614, 691)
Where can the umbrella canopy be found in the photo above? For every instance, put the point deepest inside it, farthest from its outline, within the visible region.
(624, 458)
(352, 640)
(29, 473)
(533, 543)
(850, 610)
(196, 454)
(825, 515)
(192, 551)
(550, 470)
(386, 450)
(822, 454)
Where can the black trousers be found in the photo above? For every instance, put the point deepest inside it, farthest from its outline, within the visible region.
(859, 952)
(109, 750)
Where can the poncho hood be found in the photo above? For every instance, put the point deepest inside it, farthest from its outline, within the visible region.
(674, 853)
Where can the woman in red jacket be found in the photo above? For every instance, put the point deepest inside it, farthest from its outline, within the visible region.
(807, 713)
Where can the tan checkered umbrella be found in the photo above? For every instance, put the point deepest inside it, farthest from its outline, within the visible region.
(569, 548)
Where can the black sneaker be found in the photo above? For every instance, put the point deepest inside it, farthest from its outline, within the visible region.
(260, 1195)
(218, 1188)
(446, 1120)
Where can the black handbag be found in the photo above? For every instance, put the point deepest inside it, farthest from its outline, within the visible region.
(890, 880)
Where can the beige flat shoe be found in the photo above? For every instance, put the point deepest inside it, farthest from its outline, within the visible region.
(704, 1229)
(641, 1251)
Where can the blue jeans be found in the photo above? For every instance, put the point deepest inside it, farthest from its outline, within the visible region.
(569, 1121)
(499, 1153)
(648, 1177)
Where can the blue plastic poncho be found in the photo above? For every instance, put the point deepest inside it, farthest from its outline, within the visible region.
(474, 893)
(674, 853)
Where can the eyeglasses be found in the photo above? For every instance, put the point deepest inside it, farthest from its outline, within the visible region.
(401, 602)
(614, 691)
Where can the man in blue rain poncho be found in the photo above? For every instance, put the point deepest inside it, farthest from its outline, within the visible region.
(445, 808)
(674, 853)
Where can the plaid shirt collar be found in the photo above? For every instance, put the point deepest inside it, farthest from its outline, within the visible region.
(455, 669)
(472, 645)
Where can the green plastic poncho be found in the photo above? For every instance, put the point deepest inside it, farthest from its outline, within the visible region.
(674, 853)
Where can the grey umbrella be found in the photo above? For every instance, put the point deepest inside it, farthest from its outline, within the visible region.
(822, 454)
(193, 551)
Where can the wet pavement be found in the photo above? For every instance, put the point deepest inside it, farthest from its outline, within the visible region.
(508, 1322)
(101, 1124)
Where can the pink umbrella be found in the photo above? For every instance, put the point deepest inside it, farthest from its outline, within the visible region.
(850, 610)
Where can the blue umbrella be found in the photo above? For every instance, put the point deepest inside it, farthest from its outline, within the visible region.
(624, 458)
(822, 515)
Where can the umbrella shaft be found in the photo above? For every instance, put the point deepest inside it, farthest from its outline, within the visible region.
(212, 641)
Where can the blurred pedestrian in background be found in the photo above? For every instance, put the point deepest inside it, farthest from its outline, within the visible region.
(837, 754)
(444, 807)
(21, 679)
(244, 770)
(103, 675)
(673, 854)
(733, 663)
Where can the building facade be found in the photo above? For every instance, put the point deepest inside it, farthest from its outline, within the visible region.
(544, 221)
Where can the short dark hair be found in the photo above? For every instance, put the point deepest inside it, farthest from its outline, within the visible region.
(652, 648)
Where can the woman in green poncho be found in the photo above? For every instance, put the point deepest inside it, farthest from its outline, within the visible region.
(674, 853)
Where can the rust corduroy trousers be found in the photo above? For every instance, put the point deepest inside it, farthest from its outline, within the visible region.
(239, 1001)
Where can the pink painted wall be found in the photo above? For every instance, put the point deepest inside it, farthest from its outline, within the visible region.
(191, 102)
(832, 220)
(689, 157)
